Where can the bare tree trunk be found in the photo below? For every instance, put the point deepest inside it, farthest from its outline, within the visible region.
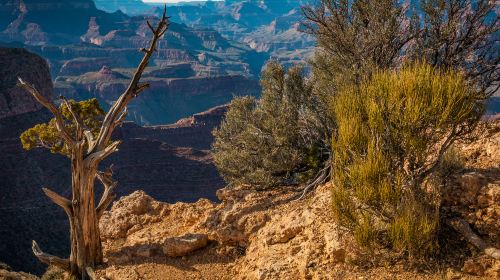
(86, 154)
(86, 248)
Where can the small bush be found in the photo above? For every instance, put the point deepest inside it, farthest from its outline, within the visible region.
(275, 140)
(364, 233)
(47, 136)
(392, 131)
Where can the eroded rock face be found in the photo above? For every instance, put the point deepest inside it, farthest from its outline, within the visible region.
(299, 241)
(129, 214)
(146, 228)
(284, 239)
(166, 101)
(474, 194)
(269, 235)
(33, 69)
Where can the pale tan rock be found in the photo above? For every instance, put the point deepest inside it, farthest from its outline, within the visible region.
(181, 246)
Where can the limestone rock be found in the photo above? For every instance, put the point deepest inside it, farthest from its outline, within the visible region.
(181, 246)
(129, 215)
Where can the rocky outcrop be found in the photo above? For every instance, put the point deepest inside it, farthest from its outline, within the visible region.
(270, 235)
(16, 63)
(22, 210)
(474, 193)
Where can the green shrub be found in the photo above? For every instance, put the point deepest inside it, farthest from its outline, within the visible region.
(47, 136)
(276, 140)
(392, 132)
(414, 228)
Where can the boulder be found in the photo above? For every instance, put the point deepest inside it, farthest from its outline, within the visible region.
(181, 246)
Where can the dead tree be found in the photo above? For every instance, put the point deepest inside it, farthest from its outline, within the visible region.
(86, 152)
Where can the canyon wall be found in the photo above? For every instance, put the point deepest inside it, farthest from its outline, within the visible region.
(20, 63)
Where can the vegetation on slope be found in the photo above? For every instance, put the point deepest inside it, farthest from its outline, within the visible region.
(400, 84)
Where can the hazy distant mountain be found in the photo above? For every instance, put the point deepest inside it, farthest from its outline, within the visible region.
(52, 21)
(194, 69)
(131, 7)
(269, 26)
(264, 25)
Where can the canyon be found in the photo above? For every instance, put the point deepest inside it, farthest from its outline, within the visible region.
(266, 26)
(72, 48)
(194, 69)
(175, 218)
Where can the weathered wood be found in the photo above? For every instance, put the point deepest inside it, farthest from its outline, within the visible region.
(86, 247)
(108, 195)
(59, 200)
(49, 259)
(61, 128)
(463, 228)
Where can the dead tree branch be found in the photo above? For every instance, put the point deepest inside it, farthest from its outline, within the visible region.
(321, 177)
(133, 88)
(63, 131)
(463, 228)
(59, 200)
(50, 259)
(108, 195)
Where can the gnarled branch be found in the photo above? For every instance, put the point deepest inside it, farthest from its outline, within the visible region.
(321, 177)
(133, 88)
(50, 259)
(81, 127)
(141, 88)
(59, 200)
(63, 131)
(91, 142)
(96, 157)
(121, 118)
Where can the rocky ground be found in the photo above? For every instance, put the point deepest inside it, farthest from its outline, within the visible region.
(269, 235)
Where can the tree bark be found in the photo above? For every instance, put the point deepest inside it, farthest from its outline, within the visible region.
(86, 243)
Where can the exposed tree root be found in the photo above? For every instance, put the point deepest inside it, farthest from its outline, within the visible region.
(463, 228)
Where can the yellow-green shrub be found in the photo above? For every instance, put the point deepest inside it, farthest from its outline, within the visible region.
(392, 132)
